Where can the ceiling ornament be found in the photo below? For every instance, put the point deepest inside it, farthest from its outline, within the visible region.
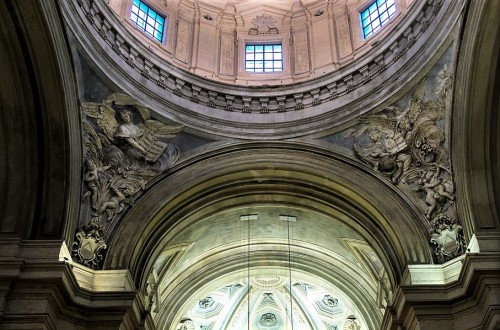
(124, 148)
(264, 21)
(165, 76)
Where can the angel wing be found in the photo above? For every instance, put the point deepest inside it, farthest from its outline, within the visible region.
(93, 135)
(105, 116)
(162, 130)
(381, 123)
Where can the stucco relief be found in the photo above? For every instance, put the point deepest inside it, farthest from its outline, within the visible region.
(301, 52)
(406, 142)
(227, 54)
(183, 37)
(122, 154)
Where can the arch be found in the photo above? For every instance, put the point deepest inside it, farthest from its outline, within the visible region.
(294, 176)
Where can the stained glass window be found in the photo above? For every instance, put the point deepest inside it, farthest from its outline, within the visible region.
(263, 58)
(148, 20)
(376, 15)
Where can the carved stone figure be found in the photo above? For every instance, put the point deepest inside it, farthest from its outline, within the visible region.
(437, 189)
(401, 143)
(447, 238)
(122, 155)
(89, 246)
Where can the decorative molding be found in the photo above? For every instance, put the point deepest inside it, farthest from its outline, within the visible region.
(98, 15)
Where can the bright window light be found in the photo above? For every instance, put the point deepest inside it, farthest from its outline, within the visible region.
(148, 20)
(376, 15)
(263, 58)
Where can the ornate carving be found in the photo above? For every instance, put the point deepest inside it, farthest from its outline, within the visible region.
(329, 301)
(121, 156)
(408, 146)
(268, 320)
(264, 21)
(447, 237)
(410, 139)
(206, 302)
(89, 246)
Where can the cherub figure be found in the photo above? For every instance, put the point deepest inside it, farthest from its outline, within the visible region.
(91, 178)
(436, 189)
(115, 204)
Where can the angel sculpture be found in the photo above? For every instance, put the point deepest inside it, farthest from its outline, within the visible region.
(387, 150)
(143, 138)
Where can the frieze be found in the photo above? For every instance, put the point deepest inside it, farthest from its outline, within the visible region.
(124, 148)
(93, 11)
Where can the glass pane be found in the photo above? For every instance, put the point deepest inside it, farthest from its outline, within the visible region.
(384, 16)
(141, 23)
(277, 64)
(259, 49)
(277, 56)
(364, 14)
(268, 48)
(268, 56)
(142, 14)
(133, 17)
(136, 2)
(259, 70)
(250, 48)
(149, 29)
(250, 57)
(268, 64)
(135, 9)
(392, 10)
(151, 21)
(259, 64)
(249, 64)
(277, 48)
(259, 56)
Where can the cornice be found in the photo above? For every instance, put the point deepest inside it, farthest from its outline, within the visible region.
(256, 113)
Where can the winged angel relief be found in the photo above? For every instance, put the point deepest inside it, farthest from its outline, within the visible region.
(408, 146)
(122, 155)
